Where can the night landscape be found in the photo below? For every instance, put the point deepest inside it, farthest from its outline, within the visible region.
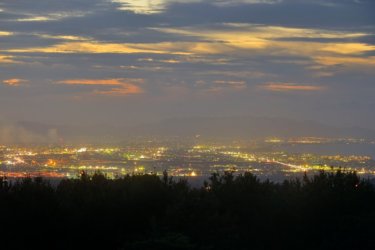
(187, 124)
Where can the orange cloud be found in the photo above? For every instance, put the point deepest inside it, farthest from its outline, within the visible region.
(14, 82)
(349, 48)
(330, 60)
(125, 89)
(92, 82)
(6, 59)
(119, 87)
(5, 33)
(96, 47)
(285, 87)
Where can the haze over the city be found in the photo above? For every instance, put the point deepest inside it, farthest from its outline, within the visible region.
(88, 67)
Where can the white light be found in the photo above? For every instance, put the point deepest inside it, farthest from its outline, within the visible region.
(81, 150)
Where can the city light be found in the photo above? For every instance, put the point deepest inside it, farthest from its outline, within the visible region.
(186, 161)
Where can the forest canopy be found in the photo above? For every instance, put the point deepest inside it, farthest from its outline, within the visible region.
(325, 211)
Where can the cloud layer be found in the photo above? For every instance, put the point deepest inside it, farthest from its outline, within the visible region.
(134, 61)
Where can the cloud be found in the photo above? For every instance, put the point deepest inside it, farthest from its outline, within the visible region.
(63, 37)
(225, 46)
(96, 47)
(35, 19)
(345, 60)
(6, 33)
(349, 48)
(298, 13)
(117, 87)
(236, 85)
(14, 82)
(92, 81)
(6, 59)
(124, 90)
(142, 6)
(50, 17)
(288, 87)
(219, 87)
(246, 31)
(251, 36)
(226, 39)
(157, 6)
(245, 74)
(237, 39)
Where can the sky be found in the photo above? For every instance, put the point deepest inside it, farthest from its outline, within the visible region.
(128, 62)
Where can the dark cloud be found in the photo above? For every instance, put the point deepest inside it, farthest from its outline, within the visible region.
(343, 14)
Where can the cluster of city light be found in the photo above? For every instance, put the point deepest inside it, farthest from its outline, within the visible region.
(317, 140)
(188, 161)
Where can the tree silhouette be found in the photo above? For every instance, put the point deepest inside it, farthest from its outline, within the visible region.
(325, 211)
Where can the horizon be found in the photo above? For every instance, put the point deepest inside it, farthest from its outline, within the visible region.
(219, 128)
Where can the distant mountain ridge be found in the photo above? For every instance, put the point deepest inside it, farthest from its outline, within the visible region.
(248, 127)
(209, 127)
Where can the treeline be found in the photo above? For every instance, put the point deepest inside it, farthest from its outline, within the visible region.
(326, 211)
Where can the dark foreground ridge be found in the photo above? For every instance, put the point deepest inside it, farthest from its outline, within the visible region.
(327, 211)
